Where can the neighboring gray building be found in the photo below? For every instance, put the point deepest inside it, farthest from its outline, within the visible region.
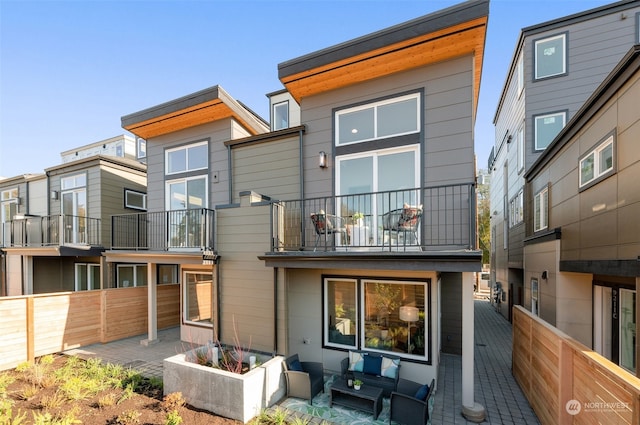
(555, 67)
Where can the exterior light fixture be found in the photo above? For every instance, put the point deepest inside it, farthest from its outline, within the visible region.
(54, 195)
(322, 159)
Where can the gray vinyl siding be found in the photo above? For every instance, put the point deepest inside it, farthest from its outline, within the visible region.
(217, 133)
(599, 223)
(448, 155)
(271, 169)
(451, 332)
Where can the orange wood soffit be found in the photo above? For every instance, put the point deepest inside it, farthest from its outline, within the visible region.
(467, 38)
(202, 113)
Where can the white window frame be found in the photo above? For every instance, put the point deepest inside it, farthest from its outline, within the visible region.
(8, 198)
(516, 209)
(127, 204)
(91, 285)
(185, 305)
(328, 317)
(73, 182)
(520, 74)
(135, 275)
(595, 154)
(276, 107)
(535, 295)
(187, 149)
(537, 118)
(168, 183)
(376, 106)
(141, 148)
(537, 60)
(541, 210)
(520, 148)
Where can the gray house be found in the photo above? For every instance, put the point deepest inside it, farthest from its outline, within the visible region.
(347, 223)
(555, 67)
(56, 225)
(582, 269)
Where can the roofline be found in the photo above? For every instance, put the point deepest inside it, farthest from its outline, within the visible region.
(22, 177)
(98, 143)
(126, 162)
(441, 19)
(555, 24)
(627, 66)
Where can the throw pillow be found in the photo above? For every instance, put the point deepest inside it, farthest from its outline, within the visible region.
(422, 392)
(372, 365)
(356, 361)
(389, 367)
(296, 366)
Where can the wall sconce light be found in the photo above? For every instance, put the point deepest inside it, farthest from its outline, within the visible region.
(322, 159)
(545, 275)
(18, 201)
(54, 195)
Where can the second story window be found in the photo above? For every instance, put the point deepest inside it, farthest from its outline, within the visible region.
(281, 116)
(520, 75)
(550, 56)
(135, 200)
(9, 200)
(386, 118)
(547, 127)
(597, 163)
(520, 148)
(516, 209)
(541, 210)
(141, 148)
(187, 158)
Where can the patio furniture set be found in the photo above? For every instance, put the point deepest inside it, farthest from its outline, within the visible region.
(379, 376)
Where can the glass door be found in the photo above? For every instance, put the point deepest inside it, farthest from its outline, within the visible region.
(74, 210)
(628, 329)
(185, 200)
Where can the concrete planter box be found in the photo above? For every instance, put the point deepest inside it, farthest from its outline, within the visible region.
(235, 396)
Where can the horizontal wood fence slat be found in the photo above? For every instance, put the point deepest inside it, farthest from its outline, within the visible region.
(565, 381)
(36, 325)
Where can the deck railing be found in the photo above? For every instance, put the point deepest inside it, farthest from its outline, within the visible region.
(165, 230)
(418, 219)
(52, 230)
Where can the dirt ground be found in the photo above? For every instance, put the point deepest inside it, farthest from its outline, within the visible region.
(144, 407)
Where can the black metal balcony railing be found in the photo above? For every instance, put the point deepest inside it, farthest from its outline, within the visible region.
(165, 230)
(421, 219)
(53, 230)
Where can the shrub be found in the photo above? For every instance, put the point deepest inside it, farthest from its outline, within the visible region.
(128, 417)
(173, 401)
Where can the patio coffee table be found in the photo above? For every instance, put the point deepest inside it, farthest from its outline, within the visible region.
(367, 399)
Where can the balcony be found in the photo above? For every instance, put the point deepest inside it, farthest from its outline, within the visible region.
(188, 230)
(440, 218)
(51, 231)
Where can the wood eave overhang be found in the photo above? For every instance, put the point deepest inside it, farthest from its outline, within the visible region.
(205, 106)
(454, 32)
(449, 261)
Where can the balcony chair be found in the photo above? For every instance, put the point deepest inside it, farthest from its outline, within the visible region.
(304, 379)
(407, 405)
(327, 224)
(405, 220)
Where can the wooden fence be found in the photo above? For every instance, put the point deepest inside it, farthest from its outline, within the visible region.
(35, 325)
(565, 381)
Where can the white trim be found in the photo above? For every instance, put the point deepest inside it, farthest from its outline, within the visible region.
(325, 312)
(541, 201)
(537, 118)
(186, 148)
(185, 298)
(597, 173)
(564, 55)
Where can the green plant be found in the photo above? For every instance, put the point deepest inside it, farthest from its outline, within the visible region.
(5, 381)
(106, 400)
(357, 382)
(128, 417)
(48, 419)
(6, 413)
(173, 418)
(127, 393)
(357, 216)
(28, 392)
(54, 401)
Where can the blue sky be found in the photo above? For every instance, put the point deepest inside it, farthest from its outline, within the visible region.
(70, 69)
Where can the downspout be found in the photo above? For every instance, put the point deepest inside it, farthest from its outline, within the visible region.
(230, 174)
(275, 311)
(218, 328)
(301, 168)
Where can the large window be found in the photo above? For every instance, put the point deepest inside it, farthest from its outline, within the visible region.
(540, 210)
(74, 204)
(547, 127)
(377, 314)
(9, 200)
(627, 343)
(597, 163)
(87, 276)
(516, 209)
(129, 275)
(387, 118)
(187, 158)
(281, 115)
(550, 56)
(198, 298)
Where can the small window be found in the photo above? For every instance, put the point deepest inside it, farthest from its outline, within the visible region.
(550, 56)
(87, 276)
(135, 200)
(520, 75)
(73, 182)
(281, 115)
(187, 158)
(547, 128)
(388, 118)
(129, 275)
(534, 297)
(520, 148)
(540, 210)
(516, 209)
(167, 274)
(597, 163)
(142, 148)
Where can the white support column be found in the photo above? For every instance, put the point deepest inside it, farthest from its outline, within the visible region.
(471, 410)
(152, 305)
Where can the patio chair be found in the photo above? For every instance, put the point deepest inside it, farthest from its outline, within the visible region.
(327, 224)
(406, 404)
(304, 379)
(405, 220)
